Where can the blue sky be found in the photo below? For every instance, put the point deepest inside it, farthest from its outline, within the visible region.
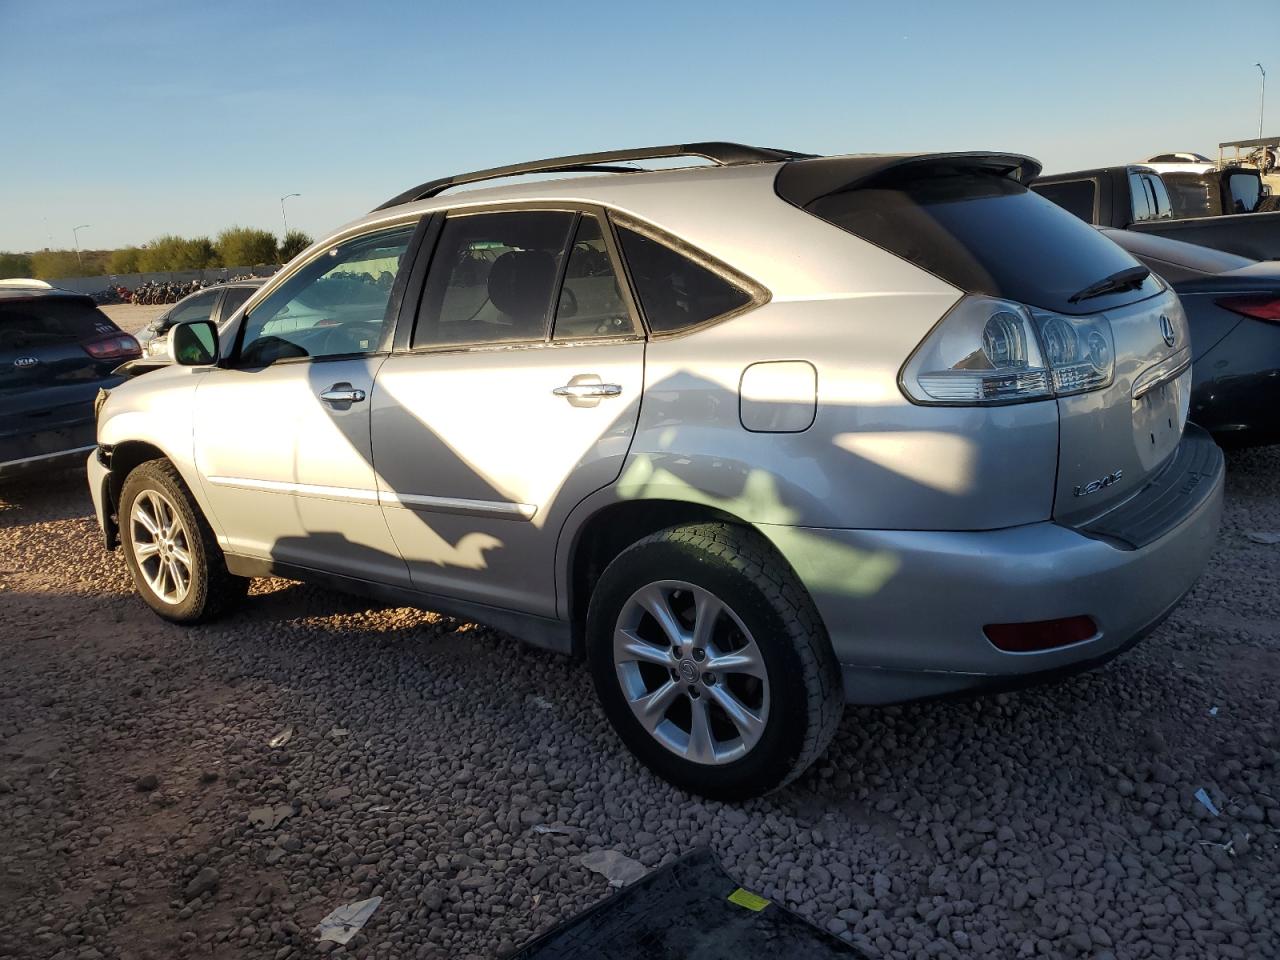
(142, 118)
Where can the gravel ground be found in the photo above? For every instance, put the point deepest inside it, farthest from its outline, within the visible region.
(1059, 821)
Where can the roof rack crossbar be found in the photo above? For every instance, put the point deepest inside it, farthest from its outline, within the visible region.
(721, 154)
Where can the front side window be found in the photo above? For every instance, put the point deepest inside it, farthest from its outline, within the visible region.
(492, 278)
(199, 307)
(1246, 192)
(675, 291)
(590, 304)
(234, 299)
(335, 306)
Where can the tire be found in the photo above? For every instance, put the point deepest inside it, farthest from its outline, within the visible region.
(774, 656)
(190, 591)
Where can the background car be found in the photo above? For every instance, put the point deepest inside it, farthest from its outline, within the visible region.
(1233, 308)
(215, 303)
(57, 350)
(1180, 163)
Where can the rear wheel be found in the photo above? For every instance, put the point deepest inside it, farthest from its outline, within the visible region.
(172, 554)
(711, 662)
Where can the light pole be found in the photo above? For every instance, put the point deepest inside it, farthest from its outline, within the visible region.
(1262, 98)
(75, 233)
(285, 217)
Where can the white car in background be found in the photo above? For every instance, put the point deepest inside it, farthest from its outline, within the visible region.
(1180, 163)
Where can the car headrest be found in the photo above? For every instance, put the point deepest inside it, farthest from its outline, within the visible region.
(520, 283)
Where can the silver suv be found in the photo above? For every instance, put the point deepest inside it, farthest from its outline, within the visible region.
(757, 437)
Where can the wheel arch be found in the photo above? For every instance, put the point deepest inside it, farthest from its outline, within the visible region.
(128, 455)
(610, 528)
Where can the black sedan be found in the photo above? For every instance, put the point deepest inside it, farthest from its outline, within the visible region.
(1233, 306)
(57, 349)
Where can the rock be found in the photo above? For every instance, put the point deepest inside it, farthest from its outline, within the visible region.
(146, 783)
(202, 882)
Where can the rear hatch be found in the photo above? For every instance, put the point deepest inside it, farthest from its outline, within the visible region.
(55, 353)
(969, 220)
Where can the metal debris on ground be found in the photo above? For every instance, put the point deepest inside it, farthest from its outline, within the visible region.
(268, 818)
(1267, 537)
(1203, 796)
(344, 922)
(1213, 711)
(551, 828)
(615, 867)
(281, 738)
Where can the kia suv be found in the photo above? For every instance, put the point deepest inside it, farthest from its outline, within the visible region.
(758, 437)
(57, 350)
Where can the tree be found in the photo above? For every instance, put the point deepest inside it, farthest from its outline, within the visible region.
(125, 260)
(54, 264)
(14, 265)
(170, 252)
(295, 241)
(246, 247)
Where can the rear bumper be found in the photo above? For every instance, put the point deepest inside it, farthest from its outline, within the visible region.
(905, 610)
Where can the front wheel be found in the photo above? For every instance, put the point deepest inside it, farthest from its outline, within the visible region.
(711, 662)
(172, 554)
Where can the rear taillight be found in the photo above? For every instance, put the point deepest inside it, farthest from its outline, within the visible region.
(997, 351)
(115, 347)
(1040, 634)
(1261, 307)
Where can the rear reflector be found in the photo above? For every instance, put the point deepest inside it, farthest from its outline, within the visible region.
(1040, 634)
(1264, 307)
(114, 347)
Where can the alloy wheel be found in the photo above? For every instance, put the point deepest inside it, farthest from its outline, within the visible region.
(161, 546)
(691, 672)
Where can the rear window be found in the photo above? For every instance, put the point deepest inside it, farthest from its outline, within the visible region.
(34, 323)
(1074, 196)
(985, 234)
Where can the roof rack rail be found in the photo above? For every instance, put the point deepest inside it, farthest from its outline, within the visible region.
(721, 154)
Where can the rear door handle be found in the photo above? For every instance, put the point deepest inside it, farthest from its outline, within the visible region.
(343, 393)
(587, 391)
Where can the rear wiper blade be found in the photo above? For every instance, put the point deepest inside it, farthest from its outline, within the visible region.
(1121, 280)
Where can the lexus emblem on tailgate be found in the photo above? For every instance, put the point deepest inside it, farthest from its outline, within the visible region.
(23, 362)
(1166, 330)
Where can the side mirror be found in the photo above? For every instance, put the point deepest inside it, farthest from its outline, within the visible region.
(194, 344)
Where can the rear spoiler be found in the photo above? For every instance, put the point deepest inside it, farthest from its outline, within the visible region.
(800, 182)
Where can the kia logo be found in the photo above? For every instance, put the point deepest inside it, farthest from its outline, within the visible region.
(1166, 330)
(23, 363)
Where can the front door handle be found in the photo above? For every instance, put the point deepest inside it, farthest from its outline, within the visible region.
(343, 393)
(587, 391)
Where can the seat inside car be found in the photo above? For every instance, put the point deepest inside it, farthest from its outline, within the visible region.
(520, 283)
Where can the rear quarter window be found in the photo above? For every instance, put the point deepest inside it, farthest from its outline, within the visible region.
(675, 290)
(33, 323)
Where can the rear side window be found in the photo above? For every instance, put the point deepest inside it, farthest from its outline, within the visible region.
(1074, 196)
(1142, 205)
(34, 323)
(984, 233)
(492, 278)
(591, 304)
(675, 291)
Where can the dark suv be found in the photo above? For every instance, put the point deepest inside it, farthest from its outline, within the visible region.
(56, 350)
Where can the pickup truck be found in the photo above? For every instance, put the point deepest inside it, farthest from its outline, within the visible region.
(1216, 208)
